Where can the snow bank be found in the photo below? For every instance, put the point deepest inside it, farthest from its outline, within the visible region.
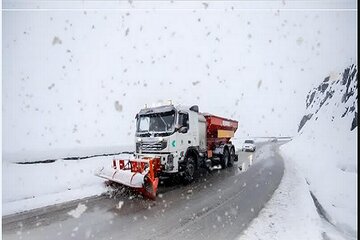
(290, 205)
(29, 186)
(326, 148)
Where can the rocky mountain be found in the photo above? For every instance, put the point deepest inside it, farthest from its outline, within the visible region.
(343, 88)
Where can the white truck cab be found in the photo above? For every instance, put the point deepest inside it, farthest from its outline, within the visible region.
(169, 132)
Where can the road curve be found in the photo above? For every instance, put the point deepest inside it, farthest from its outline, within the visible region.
(219, 205)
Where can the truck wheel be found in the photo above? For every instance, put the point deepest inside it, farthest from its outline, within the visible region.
(189, 171)
(225, 159)
(231, 157)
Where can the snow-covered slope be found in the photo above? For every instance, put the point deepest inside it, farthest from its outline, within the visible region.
(326, 149)
(317, 197)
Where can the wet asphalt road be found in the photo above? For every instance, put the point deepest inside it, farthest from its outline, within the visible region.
(219, 205)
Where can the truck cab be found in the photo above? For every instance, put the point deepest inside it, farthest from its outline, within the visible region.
(170, 133)
(184, 139)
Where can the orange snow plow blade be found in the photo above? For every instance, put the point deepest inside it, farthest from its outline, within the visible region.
(139, 174)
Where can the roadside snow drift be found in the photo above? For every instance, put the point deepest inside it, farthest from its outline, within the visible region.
(326, 149)
(290, 205)
(30, 186)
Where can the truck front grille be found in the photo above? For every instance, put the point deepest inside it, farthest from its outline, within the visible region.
(150, 146)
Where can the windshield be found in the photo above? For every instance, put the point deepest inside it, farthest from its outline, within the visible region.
(159, 122)
(249, 141)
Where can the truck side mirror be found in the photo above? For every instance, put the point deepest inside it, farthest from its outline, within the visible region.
(183, 129)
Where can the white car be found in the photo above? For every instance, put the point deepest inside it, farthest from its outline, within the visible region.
(249, 145)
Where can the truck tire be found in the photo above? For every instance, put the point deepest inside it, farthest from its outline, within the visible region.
(189, 169)
(231, 157)
(225, 158)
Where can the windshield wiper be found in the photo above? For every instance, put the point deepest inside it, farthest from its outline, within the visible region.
(163, 122)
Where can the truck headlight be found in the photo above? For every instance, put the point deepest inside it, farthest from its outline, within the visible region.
(138, 139)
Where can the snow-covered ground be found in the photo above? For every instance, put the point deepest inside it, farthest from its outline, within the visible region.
(30, 186)
(290, 214)
(321, 159)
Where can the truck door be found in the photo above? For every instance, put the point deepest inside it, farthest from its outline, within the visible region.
(184, 138)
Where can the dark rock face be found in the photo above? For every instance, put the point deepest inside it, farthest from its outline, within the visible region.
(310, 99)
(352, 108)
(350, 77)
(354, 122)
(345, 76)
(328, 95)
(324, 86)
(304, 120)
(344, 114)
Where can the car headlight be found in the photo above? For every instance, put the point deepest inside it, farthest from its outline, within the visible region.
(138, 139)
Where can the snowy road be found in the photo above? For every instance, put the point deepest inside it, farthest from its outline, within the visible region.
(219, 205)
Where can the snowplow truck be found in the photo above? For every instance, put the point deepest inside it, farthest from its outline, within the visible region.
(173, 141)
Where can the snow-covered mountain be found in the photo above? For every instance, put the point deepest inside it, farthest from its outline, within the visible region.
(344, 87)
(325, 149)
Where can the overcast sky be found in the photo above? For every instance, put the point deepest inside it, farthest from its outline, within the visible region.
(75, 77)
